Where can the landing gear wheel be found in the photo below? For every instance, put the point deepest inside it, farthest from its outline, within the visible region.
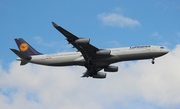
(153, 62)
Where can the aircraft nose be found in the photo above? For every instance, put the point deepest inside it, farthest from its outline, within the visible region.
(166, 51)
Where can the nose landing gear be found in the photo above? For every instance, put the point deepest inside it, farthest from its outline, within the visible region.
(153, 62)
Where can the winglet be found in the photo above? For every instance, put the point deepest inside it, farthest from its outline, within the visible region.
(54, 24)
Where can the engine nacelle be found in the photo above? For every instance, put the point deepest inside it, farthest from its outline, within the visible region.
(103, 52)
(82, 41)
(99, 75)
(111, 69)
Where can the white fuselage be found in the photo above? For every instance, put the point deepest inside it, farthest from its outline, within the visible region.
(117, 55)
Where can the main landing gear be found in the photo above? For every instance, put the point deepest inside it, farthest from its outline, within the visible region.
(153, 62)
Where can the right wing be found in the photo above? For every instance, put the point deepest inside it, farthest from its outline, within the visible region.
(88, 51)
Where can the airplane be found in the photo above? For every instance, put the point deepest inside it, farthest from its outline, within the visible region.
(92, 58)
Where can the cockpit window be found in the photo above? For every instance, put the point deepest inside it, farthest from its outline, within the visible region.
(162, 47)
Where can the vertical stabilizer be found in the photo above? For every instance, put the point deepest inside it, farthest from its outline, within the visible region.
(25, 47)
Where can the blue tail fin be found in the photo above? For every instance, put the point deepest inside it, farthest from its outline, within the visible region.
(25, 47)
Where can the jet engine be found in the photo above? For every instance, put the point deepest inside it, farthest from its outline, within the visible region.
(103, 52)
(82, 41)
(111, 69)
(99, 75)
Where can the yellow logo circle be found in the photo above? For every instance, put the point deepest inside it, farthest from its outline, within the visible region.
(23, 47)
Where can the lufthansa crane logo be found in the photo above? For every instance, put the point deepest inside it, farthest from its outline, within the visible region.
(23, 47)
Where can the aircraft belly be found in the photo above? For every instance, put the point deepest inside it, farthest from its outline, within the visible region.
(106, 60)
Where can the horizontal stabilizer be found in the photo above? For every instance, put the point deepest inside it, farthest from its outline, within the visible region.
(24, 62)
(21, 55)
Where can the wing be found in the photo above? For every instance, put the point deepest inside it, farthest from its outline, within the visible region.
(88, 51)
